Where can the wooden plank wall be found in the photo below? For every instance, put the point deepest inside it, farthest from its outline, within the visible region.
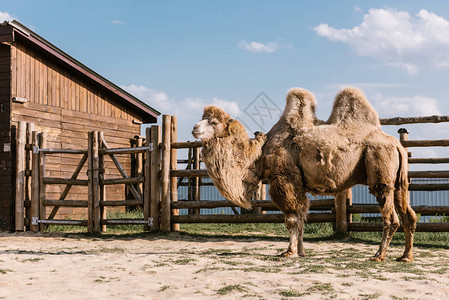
(67, 107)
(6, 203)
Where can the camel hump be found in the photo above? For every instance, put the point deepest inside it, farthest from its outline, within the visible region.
(352, 107)
(300, 108)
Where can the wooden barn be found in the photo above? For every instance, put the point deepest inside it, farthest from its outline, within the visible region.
(41, 84)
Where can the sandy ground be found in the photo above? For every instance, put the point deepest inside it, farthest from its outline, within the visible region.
(50, 266)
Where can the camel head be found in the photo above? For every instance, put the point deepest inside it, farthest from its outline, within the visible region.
(214, 123)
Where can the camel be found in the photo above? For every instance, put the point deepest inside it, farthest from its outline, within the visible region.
(302, 154)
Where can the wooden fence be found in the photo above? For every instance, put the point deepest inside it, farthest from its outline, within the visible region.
(32, 181)
(154, 185)
(338, 211)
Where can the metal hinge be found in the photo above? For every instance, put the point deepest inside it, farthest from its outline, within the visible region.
(35, 221)
(35, 149)
(150, 221)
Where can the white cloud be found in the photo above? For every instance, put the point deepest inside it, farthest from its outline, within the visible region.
(405, 106)
(156, 99)
(397, 38)
(117, 22)
(365, 85)
(4, 16)
(256, 47)
(188, 110)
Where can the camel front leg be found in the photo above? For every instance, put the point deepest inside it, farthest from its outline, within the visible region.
(294, 224)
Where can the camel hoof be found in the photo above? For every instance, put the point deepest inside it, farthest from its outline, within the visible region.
(377, 258)
(289, 254)
(405, 259)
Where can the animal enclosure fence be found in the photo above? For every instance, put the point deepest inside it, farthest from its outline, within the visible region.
(156, 179)
(33, 180)
(339, 211)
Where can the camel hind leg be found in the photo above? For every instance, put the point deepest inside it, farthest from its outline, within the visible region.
(409, 219)
(390, 220)
(293, 202)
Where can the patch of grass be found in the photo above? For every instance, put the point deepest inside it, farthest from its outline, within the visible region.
(409, 278)
(293, 293)
(321, 288)
(235, 263)
(36, 259)
(399, 298)
(100, 279)
(231, 288)
(4, 271)
(315, 269)
(262, 229)
(369, 296)
(164, 288)
(262, 269)
(107, 250)
(183, 261)
(134, 214)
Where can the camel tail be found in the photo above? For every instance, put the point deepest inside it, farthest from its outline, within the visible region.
(402, 176)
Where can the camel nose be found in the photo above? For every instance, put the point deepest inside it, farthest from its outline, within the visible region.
(195, 128)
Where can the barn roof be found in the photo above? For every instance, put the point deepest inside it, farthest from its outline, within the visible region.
(11, 31)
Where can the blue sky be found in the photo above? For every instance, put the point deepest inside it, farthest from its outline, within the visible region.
(181, 55)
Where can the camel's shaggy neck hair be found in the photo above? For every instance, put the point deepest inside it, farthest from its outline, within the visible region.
(230, 157)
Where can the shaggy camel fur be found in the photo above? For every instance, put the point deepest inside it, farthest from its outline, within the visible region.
(229, 155)
(300, 156)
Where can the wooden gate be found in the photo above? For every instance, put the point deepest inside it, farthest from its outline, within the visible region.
(37, 216)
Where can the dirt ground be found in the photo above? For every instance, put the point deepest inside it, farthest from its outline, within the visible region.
(175, 266)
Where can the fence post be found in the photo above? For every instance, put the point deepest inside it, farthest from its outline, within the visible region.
(155, 187)
(20, 176)
(42, 185)
(146, 185)
(102, 187)
(93, 219)
(28, 174)
(341, 218)
(165, 176)
(196, 189)
(34, 209)
(174, 166)
(139, 161)
(403, 136)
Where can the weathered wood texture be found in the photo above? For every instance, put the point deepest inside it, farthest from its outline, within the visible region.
(66, 107)
(6, 165)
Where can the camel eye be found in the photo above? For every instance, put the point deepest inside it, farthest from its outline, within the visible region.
(213, 122)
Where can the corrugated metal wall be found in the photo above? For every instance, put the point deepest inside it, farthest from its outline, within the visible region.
(360, 195)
